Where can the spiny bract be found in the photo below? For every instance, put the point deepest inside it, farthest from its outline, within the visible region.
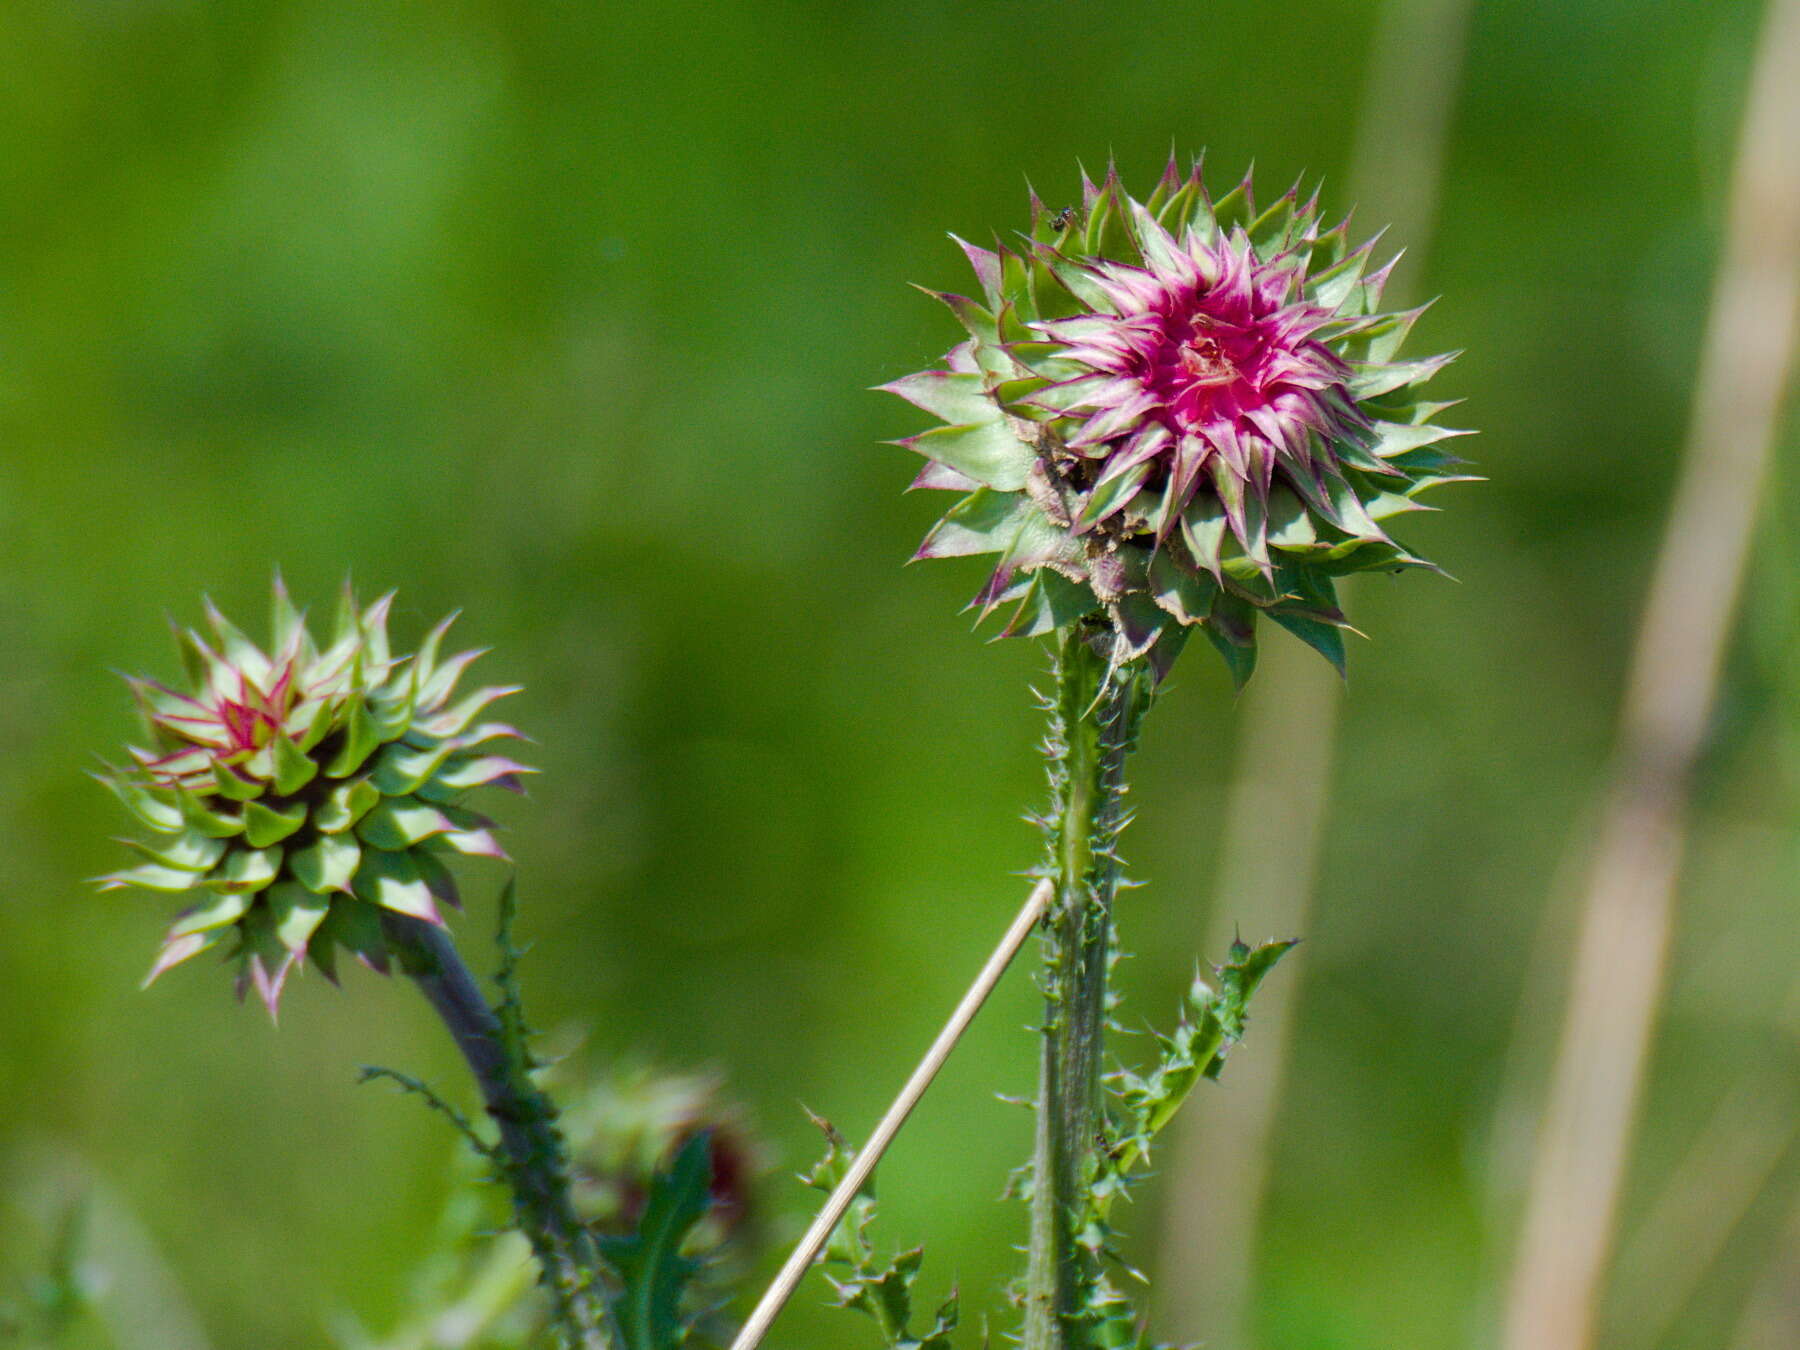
(1178, 413)
(302, 791)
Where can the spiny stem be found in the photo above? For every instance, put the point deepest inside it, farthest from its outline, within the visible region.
(533, 1156)
(418, 1088)
(1094, 714)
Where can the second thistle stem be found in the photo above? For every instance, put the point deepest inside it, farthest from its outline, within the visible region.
(531, 1151)
(1094, 714)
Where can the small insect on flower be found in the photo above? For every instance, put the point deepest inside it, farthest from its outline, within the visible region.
(301, 792)
(1175, 414)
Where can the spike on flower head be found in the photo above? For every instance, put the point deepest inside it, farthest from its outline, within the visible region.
(1179, 413)
(295, 794)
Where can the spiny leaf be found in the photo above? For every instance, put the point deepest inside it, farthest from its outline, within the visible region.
(1213, 1022)
(651, 1269)
(882, 1289)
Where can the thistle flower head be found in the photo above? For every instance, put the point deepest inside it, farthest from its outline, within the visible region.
(1178, 413)
(296, 793)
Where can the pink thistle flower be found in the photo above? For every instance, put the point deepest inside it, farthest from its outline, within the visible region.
(1178, 414)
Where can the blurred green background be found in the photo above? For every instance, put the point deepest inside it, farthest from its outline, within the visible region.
(564, 314)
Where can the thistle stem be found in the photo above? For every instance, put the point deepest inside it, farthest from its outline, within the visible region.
(531, 1153)
(1094, 718)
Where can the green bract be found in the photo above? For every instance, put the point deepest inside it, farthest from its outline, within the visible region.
(1178, 414)
(297, 793)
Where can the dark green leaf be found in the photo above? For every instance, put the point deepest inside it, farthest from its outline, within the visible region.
(649, 1263)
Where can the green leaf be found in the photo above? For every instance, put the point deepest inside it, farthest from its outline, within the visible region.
(1232, 628)
(1324, 638)
(286, 623)
(1374, 380)
(264, 825)
(294, 768)
(311, 721)
(959, 399)
(438, 879)
(1330, 288)
(233, 785)
(1211, 1024)
(148, 809)
(210, 914)
(985, 521)
(191, 851)
(1377, 341)
(1186, 594)
(980, 322)
(444, 678)
(1245, 509)
(354, 925)
(346, 804)
(1203, 529)
(651, 1268)
(175, 950)
(392, 881)
(1386, 505)
(988, 452)
(203, 818)
(1066, 396)
(401, 768)
(1395, 439)
(152, 877)
(1239, 977)
(883, 1290)
(1111, 493)
(401, 822)
(1327, 248)
(1109, 225)
(391, 710)
(243, 654)
(361, 736)
(1050, 601)
(373, 626)
(296, 913)
(1234, 208)
(1290, 523)
(885, 1294)
(1139, 621)
(1079, 280)
(425, 660)
(454, 720)
(459, 775)
(1270, 229)
(327, 864)
(246, 870)
(1187, 206)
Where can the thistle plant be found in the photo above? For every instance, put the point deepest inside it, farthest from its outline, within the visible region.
(305, 797)
(1166, 415)
(1172, 414)
(307, 793)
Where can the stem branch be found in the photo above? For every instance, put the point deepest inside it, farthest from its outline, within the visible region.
(531, 1146)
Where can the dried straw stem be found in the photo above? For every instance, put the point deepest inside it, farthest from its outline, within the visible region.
(1566, 1241)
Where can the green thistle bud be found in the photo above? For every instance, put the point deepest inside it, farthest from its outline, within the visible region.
(298, 793)
(1178, 414)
